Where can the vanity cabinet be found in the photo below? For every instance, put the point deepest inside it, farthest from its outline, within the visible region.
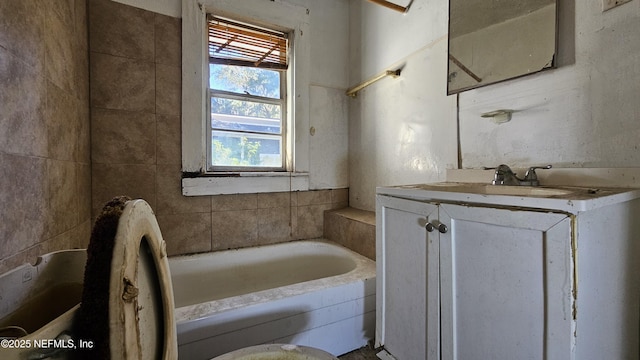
(472, 281)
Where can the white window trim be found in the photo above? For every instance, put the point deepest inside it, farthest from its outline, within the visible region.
(195, 64)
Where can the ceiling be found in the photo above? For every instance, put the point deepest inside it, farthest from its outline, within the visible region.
(467, 16)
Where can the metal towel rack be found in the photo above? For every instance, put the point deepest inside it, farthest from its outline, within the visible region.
(354, 90)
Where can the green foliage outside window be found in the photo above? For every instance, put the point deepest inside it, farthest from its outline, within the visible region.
(240, 153)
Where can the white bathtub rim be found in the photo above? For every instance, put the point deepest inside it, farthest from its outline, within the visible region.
(203, 310)
(248, 317)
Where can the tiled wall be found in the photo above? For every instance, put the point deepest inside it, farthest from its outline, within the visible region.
(135, 58)
(45, 186)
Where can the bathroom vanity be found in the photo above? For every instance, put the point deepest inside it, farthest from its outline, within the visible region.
(479, 271)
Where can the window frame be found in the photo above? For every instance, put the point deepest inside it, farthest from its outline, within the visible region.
(195, 62)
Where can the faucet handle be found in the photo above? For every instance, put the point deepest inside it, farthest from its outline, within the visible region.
(531, 177)
(503, 175)
(502, 170)
(531, 173)
(501, 167)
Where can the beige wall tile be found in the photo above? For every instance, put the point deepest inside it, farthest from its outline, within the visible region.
(276, 200)
(352, 228)
(276, 224)
(22, 23)
(81, 25)
(61, 199)
(186, 233)
(234, 202)
(121, 30)
(22, 99)
(340, 196)
(168, 144)
(168, 40)
(122, 83)
(123, 137)
(62, 9)
(81, 72)
(311, 221)
(59, 242)
(314, 197)
(168, 89)
(78, 237)
(83, 149)
(362, 239)
(83, 172)
(63, 124)
(234, 229)
(59, 42)
(335, 227)
(82, 235)
(22, 202)
(111, 180)
(44, 142)
(169, 194)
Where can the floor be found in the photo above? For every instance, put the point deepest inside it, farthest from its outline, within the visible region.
(365, 353)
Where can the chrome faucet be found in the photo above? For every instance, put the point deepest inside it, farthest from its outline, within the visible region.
(505, 176)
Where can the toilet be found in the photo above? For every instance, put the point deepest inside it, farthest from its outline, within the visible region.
(137, 321)
(277, 352)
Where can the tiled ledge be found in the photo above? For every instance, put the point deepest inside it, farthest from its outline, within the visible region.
(352, 228)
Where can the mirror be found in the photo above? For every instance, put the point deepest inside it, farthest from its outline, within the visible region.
(492, 41)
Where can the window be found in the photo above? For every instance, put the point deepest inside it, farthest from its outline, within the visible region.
(250, 170)
(247, 97)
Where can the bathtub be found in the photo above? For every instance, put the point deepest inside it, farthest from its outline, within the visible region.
(312, 293)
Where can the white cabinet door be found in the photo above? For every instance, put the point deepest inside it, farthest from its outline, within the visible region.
(407, 323)
(506, 280)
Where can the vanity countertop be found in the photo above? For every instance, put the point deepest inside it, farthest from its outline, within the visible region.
(570, 199)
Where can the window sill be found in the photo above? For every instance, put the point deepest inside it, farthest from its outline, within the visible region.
(245, 183)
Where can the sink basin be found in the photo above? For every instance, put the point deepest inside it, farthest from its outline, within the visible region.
(524, 191)
(488, 189)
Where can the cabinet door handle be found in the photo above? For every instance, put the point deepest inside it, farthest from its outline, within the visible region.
(441, 227)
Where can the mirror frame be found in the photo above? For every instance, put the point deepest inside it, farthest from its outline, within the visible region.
(450, 59)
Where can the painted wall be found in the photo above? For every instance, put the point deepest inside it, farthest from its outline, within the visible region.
(583, 114)
(45, 187)
(401, 130)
